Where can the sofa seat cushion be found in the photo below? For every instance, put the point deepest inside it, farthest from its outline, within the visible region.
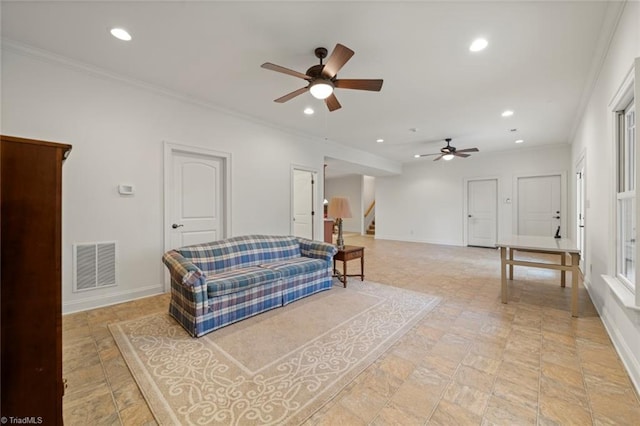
(296, 266)
(239, 279)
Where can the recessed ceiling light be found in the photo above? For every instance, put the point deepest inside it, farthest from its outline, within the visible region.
(507, 113)
(308, 111)
(520, 141)
(120, 34)
(416, 156)
(478, 45)
(379, 140)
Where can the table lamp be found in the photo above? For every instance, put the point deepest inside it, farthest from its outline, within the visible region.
(339, 209)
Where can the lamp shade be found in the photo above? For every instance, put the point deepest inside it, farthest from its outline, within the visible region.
(339, 208)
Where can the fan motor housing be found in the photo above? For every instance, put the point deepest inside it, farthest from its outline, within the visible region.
(315, 71)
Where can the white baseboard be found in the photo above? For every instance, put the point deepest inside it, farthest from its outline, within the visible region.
(111, 299)
(630, 361)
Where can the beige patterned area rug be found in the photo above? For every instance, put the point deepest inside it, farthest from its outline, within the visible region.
(275, 368)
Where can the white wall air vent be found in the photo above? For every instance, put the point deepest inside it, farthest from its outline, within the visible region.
(94, 265)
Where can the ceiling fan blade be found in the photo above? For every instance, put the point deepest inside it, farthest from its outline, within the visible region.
(457, 154)
(439, 157)
(428, 155)
(332, 103)
(359, 84)
(340, 55)
(278, 68)
(291, 95)
(468, 150)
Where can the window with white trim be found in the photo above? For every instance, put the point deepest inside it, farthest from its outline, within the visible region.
(626, 196)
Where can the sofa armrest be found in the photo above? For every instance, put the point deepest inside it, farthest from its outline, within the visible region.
(188, 285)
(317, 249)
(181, 269)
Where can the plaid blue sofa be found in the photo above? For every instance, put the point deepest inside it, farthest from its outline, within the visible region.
(218, 283)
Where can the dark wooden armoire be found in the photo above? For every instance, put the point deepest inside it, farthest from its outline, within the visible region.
(30, 226)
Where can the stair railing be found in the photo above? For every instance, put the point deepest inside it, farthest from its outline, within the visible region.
(369, 215)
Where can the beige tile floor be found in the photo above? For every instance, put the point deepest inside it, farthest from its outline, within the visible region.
(473, 360)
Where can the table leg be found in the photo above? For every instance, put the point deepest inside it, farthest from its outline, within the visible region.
(344, 267)
(510, 266)
(503, 273)
(362, 267)
(575, 275)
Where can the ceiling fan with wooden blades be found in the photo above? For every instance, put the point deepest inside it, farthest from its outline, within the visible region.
(323, 78)
(448, 152)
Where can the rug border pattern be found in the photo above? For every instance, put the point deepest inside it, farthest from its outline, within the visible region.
(405, 308)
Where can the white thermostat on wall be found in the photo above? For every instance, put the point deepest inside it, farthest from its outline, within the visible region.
(126, 189)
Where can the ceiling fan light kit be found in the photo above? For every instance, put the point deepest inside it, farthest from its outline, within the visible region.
(323, 78)
(321, 89)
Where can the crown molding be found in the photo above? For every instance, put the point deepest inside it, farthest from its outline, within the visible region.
(610, 24)
(94, 71)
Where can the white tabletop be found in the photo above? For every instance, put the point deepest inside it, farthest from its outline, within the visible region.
(530, 242)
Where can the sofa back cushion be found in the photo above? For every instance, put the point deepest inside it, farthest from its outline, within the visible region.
(237, 252)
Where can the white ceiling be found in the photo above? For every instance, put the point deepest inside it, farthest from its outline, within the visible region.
(541, 61)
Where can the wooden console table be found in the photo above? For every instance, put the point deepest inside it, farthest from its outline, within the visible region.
(344, 255)
(544, 245)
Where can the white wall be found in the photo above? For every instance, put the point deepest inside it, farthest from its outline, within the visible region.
(117, 130)
(368, 191)
(594, 140)
(351, 187)
(426, 203)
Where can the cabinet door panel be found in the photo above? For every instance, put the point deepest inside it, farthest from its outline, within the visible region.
(31, 278)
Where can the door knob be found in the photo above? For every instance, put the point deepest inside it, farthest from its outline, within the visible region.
(176, 226)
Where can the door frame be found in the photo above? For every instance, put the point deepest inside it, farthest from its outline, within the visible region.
(316, 192)
(581, 167)
(563, 200)
(173, 148)
(465, 210)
